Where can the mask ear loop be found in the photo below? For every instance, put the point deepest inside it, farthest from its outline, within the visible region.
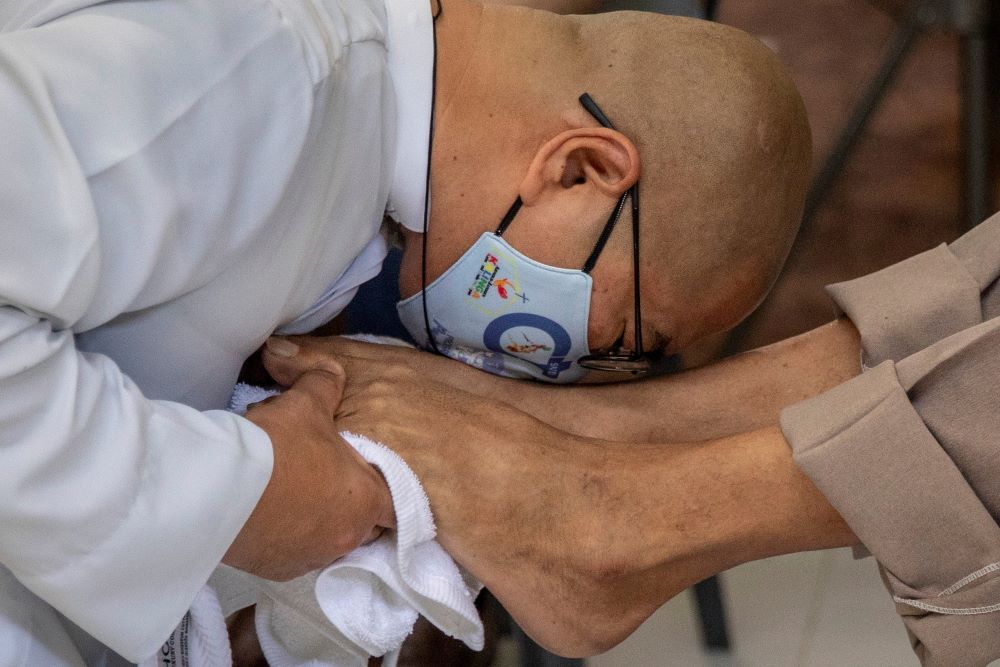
(637, 291)
(509, 218)
(427, 185)
(602, 240)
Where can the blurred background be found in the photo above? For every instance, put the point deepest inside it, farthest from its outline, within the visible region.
(903, 187)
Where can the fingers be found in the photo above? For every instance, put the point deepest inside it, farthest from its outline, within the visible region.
(263, 402)
(287, 359)
(345, 346)
(324, 385)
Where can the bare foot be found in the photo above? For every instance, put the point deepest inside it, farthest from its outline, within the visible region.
(581, 540)
(543, 519)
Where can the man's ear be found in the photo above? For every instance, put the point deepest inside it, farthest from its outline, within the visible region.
(599, 158)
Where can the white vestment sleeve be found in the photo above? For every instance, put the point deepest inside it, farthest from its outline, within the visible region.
(115, 508)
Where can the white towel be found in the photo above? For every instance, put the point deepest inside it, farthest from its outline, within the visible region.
(200, 640)
(366, 603)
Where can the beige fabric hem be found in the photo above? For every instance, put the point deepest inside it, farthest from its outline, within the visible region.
(909, 454)
(906, 307)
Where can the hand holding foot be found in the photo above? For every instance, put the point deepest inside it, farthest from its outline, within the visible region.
(323, 499)
(527, 509)
(580, 539)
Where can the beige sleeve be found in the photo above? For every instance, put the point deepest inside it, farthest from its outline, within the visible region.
(909, 452)
(908, 306)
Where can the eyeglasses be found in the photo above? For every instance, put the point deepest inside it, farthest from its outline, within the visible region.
(636, 360)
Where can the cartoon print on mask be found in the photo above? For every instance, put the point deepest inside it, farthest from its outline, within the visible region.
(480, 312)
(527, 347)
(492, 293)
(549, 359)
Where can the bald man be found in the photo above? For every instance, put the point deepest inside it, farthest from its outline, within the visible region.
(879, 428)
(183, 178)
(706, 122)
(583, 509)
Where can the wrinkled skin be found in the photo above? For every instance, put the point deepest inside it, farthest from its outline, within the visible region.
(531, 512)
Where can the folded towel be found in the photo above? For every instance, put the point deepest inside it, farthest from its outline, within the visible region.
(200, 640)
(366, 603)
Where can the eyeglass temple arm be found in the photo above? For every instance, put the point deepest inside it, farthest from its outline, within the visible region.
(635, 264)
(591, 106)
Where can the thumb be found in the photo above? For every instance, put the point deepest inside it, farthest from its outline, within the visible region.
(323, 385)
(286, 360)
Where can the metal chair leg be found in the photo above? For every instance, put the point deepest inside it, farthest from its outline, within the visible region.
(977, 189)
(712, 612)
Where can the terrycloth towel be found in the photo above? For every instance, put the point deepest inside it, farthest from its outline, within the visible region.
(200, 639)
(366, 603)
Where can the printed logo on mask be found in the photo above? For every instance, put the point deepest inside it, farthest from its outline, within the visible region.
(492, 293)
(479, 312)
(488, 271)
(527, 347)
(518, 333)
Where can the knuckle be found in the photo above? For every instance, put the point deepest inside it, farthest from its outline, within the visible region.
(378, 404)
(299, 400)
(381, 387)
(398, 373)
(330, 366)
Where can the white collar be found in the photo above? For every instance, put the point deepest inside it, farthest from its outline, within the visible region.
(410, 37)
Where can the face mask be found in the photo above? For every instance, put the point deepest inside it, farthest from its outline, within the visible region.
(503, 312)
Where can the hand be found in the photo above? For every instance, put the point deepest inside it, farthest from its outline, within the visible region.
(579, 539)
(386, 360)
(556, 405)
(448, 436)
(323, 499)
(516, 501)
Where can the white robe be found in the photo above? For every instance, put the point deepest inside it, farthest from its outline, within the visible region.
(178, 179)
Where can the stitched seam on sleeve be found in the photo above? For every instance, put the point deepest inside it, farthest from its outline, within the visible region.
(945, 611)
(954, 588)
(962, 583)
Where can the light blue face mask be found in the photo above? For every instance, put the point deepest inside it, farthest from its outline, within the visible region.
(501, 311)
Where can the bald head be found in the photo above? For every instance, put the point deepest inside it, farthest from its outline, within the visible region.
(715, 129)
(725, 155)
